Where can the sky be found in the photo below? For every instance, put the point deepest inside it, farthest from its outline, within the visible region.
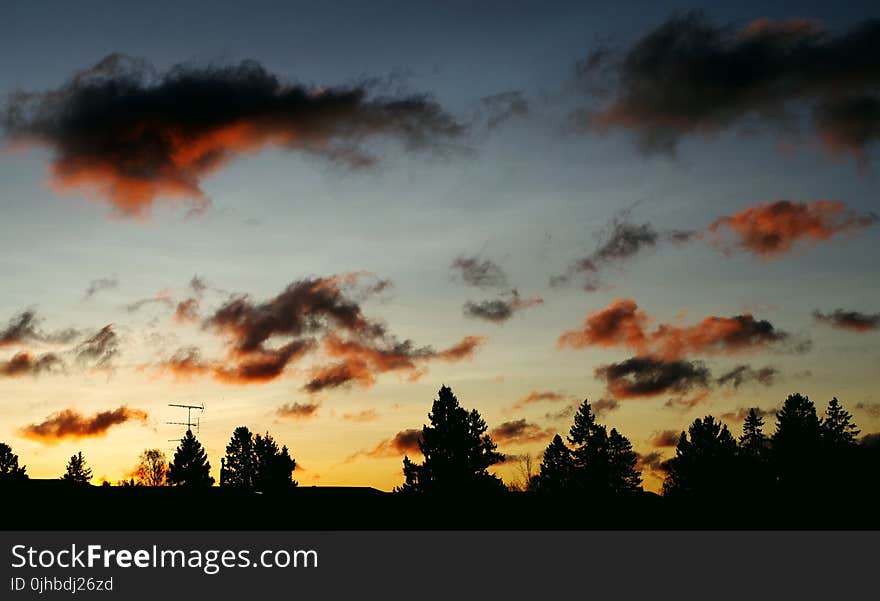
(309, 218)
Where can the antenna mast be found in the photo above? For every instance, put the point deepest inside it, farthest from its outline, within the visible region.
(189, 423)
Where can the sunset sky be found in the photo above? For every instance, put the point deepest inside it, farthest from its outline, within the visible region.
(309, 217)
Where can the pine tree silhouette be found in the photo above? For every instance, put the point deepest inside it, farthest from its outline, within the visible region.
(838, 429)
(239, 464)
(274, 466)
(190, 467)
(797, 444)
(704, 463)
(457, 451)
(76, 471)
(753, 442)
(624, 477)
(557, 468)
(9, 468)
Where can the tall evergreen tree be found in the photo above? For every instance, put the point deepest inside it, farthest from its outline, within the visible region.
(838, 429)
(77, 472)
(704, 462)
(753, 442)
(239, 464)
(797, 443)
(274, 466)
(9, 468)
(457, 450)
(624, 477)
(190, 467)
(589, 442)
(557, 468)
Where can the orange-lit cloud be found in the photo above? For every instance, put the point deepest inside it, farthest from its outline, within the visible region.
(520, 431)
(538, 397)
(665, 438)
(24, 363)
(187, 310)
(622, 325)
(405, 442)
(132, 136)
(298, 411)
(773, 229)
(69, 423)
(367, 415)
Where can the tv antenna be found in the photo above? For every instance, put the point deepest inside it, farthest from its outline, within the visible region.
(189, 423)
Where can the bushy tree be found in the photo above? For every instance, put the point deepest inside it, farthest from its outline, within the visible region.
(77, 472)
(457, 450)
(10, 471)
(190, 467)
(152, 468)
(557, 468)
(704, 463)
(256, 463)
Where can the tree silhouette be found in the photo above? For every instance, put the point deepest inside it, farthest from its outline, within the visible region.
(557, 468)
(239, 465)
(797, 442)
(837, 428)
(190, 467)
(152, 468)
(76, 471)
(9, 468)
(704, 462)
(275, 466)
(457, 452)
(753, 442)
(623, 475)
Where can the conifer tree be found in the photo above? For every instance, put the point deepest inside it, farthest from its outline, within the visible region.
(77, 472)
(457, 450)
(274, 466)
(190, 467)
(9, 468)
(239, 464)
(838, 429)
(624, 477)
(704, 463)
(753, 442)
(797, 443)
(557, 468)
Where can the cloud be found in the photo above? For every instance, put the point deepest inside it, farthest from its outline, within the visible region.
(133, 135)
(99, 350)
(740, 413)
(853, 321)
(689, 77)
(264, 338)
(869, 409)
(603, 406)
(24, 328)
(187, 310)
(566, 412)
(519, 431)
(24, 363)
(623, 325)
(483, 273)
(402, 443)
(163, 297)
(622, 241)
(499, 310)
(773, 229)
(741, 374)
(367, 415)
(69, 423)
(648, 377)
(665, 438)
(503, 107)
(362, 362)
(298, 410)
(100, 284)
(539, 397)
(651, 462)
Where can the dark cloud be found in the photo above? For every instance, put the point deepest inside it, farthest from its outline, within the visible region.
(133, 135)
(25, 328)
(871, 441)
(99, 350)
(665, 438)
(690, 77)
(849, 320)
(24, 363)
(622, 324)
(520, 431)
(565, 413)
(869, 409)
(741, 374)
(621, 241)
(482, 273)
(539, 397)
(604, 406)
(298, 410)
(69, 423)
(504, 106)
(773, 229)
(100, 284)
(646, 377)
(163, 298)
(403, 443)
(651, 462)
(500, 310)
(739, 414)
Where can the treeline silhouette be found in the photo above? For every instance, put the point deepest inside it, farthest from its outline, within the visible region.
(810, 472)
